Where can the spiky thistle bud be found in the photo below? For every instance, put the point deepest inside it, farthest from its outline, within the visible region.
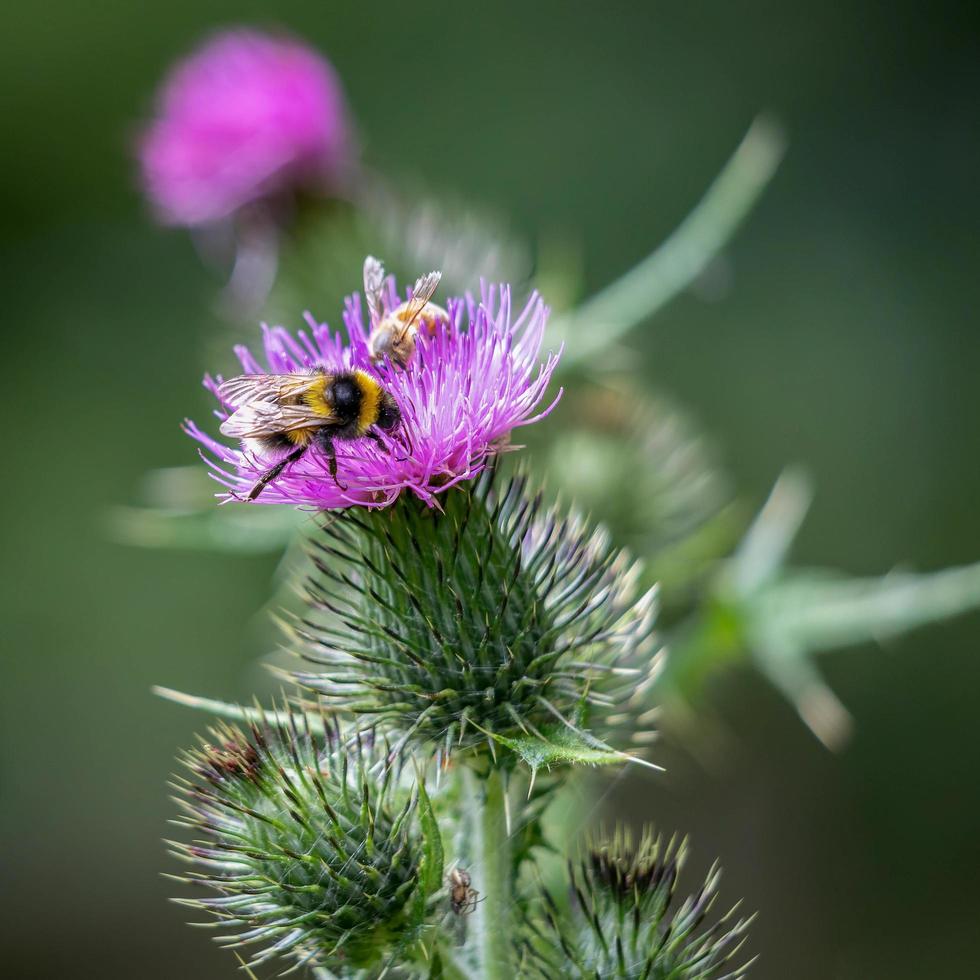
(624, 921)
(312, 857)
(491, 621)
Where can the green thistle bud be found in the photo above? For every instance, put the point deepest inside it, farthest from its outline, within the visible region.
(492, 620)
(311, 857)
(621, 924)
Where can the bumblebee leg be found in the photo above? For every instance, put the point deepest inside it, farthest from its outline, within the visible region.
(270, 474)
(325, 441)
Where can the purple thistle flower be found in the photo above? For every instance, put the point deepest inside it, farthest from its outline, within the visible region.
(465, 389)
(245, 117)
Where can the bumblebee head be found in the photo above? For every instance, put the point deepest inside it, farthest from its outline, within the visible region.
(389, 414)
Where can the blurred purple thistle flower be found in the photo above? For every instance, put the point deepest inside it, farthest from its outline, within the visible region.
(462, 394)
(248, 116)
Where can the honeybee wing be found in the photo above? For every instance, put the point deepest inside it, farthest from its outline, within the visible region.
(374, 281)
(247, 388)
(425, 288)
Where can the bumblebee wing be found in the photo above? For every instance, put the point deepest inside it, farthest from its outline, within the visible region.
(257, 419)
(247, 388)
(374, 281)
(425, 288)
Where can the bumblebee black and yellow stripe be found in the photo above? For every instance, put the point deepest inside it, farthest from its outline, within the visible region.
(370, 406)
(315, 397)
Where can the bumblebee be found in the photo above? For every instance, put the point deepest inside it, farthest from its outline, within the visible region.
(393, 333)
(292, 412)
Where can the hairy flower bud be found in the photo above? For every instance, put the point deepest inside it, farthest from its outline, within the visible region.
(624, 922)
(492, 621)
(308, 850)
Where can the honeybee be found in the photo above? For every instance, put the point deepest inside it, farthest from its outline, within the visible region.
(462, 897)
(393, 332)
(292, 412)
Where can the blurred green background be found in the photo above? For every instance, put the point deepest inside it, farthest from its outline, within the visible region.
(844, 340)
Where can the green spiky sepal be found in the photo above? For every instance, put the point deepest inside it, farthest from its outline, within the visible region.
(622, 920)
(311, 845)
(490, 622)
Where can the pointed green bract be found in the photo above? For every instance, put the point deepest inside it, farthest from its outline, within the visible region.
(286, 718)
(563, 745)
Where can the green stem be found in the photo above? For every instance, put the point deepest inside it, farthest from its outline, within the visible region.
(492, 875)
(634, 297)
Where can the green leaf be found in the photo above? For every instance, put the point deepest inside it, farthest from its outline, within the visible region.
(820, 610)
(177, 510)
(790, 670)
(609, 315)
(430, 874)
(429, 882)
(564, 745)
(767, 542)
(782, 616)
(235, 529)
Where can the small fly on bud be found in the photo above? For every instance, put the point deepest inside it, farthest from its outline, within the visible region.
(393, 332)
(462, 896)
